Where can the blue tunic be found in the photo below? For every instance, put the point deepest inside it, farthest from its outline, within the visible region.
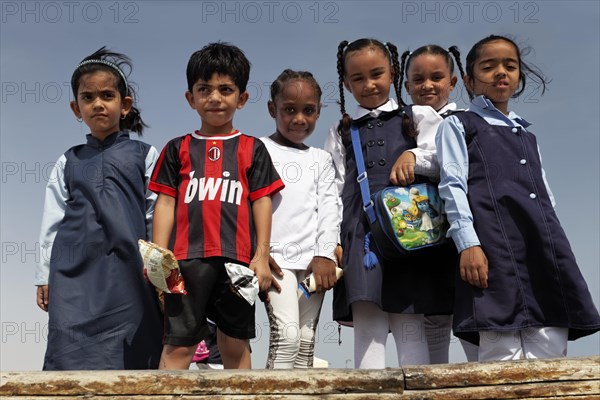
(415, 285)
(102, 312)
(533, 280)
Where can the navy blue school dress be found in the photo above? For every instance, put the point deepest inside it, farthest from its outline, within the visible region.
(533, 278)
(103, 314)
(414, 285)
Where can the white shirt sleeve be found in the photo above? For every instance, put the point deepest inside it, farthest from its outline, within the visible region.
(328, 216)
(333, 145)
(427, 121)
(151, 197)
(55, 204)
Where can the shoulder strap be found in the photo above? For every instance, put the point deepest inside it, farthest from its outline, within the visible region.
(362, 174)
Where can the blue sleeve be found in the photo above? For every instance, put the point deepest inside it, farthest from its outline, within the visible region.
(454, 172)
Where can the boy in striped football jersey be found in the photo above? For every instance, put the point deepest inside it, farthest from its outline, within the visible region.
(214, 206)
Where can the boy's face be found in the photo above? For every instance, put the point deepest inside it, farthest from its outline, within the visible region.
(216, 101)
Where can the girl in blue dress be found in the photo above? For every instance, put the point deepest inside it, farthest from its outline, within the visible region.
(521, 294)
(395, 295)
(102, 312)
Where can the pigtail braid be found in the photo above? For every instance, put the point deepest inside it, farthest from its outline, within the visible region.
(456, 54)
(396, 70)
(403, 59)
(346, 120)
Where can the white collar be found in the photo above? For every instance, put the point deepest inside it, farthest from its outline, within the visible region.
(231, 135)
(388, 106)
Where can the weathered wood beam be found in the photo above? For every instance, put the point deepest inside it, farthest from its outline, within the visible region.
(565, 378)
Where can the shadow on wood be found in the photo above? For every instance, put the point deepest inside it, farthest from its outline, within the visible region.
(565, 378)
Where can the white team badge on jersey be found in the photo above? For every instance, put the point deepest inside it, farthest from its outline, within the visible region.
(214, 153)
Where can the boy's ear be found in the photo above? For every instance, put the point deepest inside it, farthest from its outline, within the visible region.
(75, 109)
(407, 89)
(271, 108)
(190, 98)
(242, 100)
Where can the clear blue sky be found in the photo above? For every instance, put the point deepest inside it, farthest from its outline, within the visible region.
(41, 42)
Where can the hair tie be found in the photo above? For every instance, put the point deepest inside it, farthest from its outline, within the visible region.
(107, 63)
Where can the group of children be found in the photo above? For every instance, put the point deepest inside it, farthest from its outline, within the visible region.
(507, 284)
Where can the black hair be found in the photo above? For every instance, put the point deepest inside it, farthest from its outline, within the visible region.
(289, 75)
(432, 49)
(120, 66)
(390, 51)
(221, 58)
(525, 70)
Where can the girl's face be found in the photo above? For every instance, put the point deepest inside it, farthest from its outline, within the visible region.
(368, 76)
(429, 81)
(296, 110)
(495, 73)
(99, 103)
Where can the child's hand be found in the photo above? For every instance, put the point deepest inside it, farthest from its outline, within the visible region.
(261, 269)
(42, 297)
(275, 272)
(339, 254)
(323, 270)
(474, 267)
(403, 171)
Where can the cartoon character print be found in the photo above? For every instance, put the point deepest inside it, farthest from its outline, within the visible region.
(423, 209)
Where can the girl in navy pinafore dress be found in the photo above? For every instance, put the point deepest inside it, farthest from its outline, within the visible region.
(520, 292)
(393, 296)
(103, 314)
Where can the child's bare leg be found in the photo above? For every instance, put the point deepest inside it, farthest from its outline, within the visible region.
(235, 353)
(176, 357)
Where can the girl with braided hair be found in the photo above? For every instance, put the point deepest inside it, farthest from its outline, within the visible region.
(430, 79)
(393, 295)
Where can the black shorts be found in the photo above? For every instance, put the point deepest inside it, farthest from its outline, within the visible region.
(209, 295)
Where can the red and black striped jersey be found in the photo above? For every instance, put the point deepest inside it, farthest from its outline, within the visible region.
(214, 180)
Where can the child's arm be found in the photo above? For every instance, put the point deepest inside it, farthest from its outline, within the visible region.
(323, 264)
(261, 213)
(333, 145)
(422, 159)
(163, 220)
(55, 204)
(454, 163)
(151, 159)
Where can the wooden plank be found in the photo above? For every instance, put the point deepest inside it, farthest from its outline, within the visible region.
(351, 396)
(193, 382)
(497, 373)
(539, 390)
